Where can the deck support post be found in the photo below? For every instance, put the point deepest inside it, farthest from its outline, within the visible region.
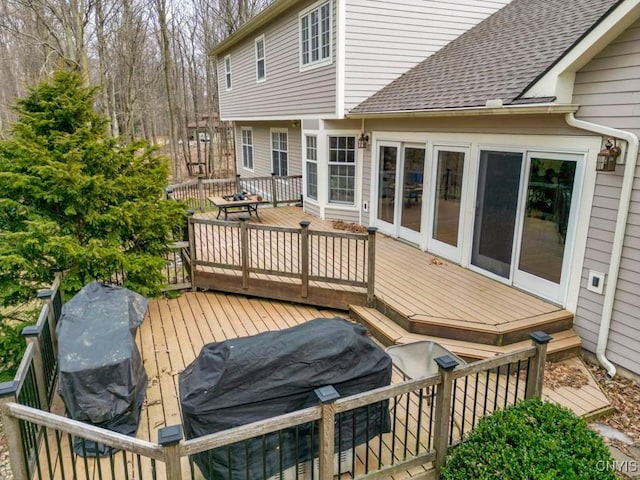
(274, 190)
(192, 248)
(535, 377)
(371, 266)
(244, 254)
(327, 430)
(304, 257)
(442, 412)
(201, 197)
(46, 297)
(169, 439)
(13, 433)
(31, 335)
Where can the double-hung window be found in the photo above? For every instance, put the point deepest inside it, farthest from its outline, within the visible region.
(227, 71)
(247, 148)
(279, 152)
(315, 35)
(312, 166)
(261, 71)
(342, 170)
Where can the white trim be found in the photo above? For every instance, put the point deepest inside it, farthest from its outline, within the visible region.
(279, 118)
(264, 57)
(271, 132)
(341, 21)
(242, 145)
(527, 109)
(558, 81)
(303, 13)
(306, 160)
(228, 76)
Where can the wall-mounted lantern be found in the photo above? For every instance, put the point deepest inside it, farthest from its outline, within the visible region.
(363, 140)
(607, 157)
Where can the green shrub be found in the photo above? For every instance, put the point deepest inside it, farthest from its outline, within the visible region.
(532, 440)
(12, 346)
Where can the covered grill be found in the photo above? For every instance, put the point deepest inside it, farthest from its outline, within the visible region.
(248, 379)
(102, 379)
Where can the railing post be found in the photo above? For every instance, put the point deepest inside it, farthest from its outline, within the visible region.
(274, 190)
(168, 193)
(238, 190)
(442, 412)
(371, 266)
(32, 335)
(45, 297)
(327, 431)
(535, 377)
(169, 439)
(13, 433)
(244, 250)
(192, 247)
(304, 256)
(201, 199)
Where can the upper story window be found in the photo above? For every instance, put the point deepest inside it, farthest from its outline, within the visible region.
(261, 71)
(312, 166)
(247, 148)
(342, 170)
(227, 71)
(315, 35)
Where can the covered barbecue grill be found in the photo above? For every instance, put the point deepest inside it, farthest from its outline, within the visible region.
(102, 379)
(248, 379)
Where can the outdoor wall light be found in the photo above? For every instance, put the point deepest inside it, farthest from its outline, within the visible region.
(363, 140)
(606, 161)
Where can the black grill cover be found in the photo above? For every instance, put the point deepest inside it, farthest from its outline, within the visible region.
(102, 379)
(248, 379)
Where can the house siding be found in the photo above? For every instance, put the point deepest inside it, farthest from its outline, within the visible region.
(262, 148)
(385, 38)
(608, 92)
(287, 92)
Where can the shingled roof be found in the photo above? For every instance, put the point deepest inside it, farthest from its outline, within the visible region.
(497, 59)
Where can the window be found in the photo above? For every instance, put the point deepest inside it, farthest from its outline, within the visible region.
(279, 152)
(227, 71)
(312, 167)
(315, 35)
(261, 73)
(342, 170)
(247, 148)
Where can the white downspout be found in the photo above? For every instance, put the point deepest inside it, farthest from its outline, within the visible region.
(620, 230)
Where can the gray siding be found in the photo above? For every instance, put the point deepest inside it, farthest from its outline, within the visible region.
(608, 90)
(286, 92)
(385, 38)
(262, 148)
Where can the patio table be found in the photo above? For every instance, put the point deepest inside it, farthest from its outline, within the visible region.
(249, 204)
(417, 359)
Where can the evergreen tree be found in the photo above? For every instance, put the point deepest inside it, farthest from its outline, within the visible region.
(73, 198)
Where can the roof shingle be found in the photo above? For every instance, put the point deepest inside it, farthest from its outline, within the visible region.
(498, 58)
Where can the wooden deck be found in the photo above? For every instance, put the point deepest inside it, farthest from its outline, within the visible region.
(175, 330)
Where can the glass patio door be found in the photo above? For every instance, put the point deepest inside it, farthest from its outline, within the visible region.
(547, 224)
(447, 200)
(388, 155)
(496, 212)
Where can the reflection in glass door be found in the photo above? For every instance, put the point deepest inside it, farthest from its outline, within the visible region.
(388, 162)
(447, 202)
(411, 200)
(496, 210)
(546, 224)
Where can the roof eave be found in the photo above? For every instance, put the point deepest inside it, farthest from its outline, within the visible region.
(252, 25)
(537, 109)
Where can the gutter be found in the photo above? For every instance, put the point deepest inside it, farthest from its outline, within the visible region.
(543, 108)
(620, 230)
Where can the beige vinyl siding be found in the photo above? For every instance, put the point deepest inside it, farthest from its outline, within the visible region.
(351, 216)
(608, 90)
(385, 38)
(287, 92)
(262, 148)
(312, 208)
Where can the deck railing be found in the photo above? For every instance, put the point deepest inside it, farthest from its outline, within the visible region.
(275, 189)
(35, 381)
(426, 417)
(237, 256)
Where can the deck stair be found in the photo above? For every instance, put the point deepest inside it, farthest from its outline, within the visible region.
(389, 331)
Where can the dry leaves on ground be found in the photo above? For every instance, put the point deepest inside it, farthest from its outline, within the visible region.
(624, 395)
(349, 227)
(557, 374)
